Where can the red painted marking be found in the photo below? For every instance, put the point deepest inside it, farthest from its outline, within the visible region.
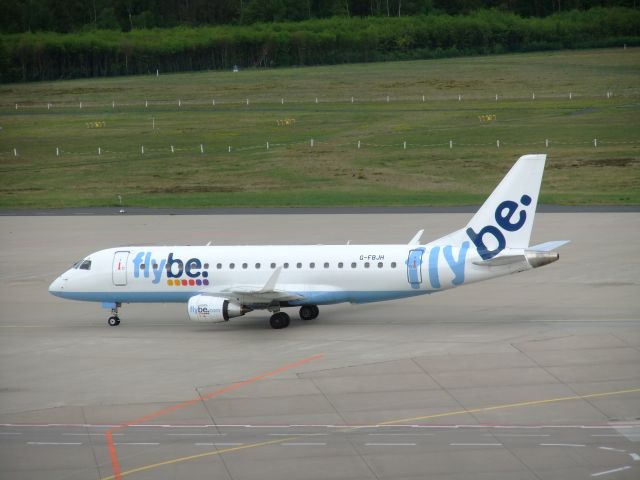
(115, 464)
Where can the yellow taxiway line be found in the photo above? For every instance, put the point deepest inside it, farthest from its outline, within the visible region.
(389, 422)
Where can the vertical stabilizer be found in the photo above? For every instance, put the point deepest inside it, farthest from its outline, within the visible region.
(512, 205)
(506, 218)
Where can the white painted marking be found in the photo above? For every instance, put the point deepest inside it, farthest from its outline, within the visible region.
(298, 434)
(561, 445)
(211, 444)
(54, 443)
(612, 449)
(607, 472)
(150, 426)
(390, 444)
(196, 434)
(10, 433)
(262, 426)
(606, 435)
(635, 456)
(302, 444)
(89, 434)
(138, 443)
(475, 444)
(403, 434)
(516, 435)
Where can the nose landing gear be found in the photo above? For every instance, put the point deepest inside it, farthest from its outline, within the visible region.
(114, 319)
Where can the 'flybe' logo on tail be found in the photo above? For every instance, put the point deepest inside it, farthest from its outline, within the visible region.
(506, 219)
(192, 272)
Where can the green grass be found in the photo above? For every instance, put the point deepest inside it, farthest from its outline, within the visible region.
(333, 172)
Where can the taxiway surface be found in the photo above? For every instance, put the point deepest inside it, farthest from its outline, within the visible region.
(531, 376)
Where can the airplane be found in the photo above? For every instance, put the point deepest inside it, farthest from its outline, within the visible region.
(222, 282)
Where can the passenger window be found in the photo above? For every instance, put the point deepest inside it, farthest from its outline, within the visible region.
(340, 265)
(353, 265)
(366, 264)
(232, 266)
(219, 266)
(299, 265)
(244, 265)
(312, 265)
(155, 266)
(141, 266)
(326, 264)
(286, 265)
(380, 264)
(257, 266)
(86, 265)
(273, 265)
(206, 266)
(393, 264)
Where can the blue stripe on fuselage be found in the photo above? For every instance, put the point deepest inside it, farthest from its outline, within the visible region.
(310, 298)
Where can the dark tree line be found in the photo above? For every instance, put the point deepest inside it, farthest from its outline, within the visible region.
(125, 15)
(340, 39)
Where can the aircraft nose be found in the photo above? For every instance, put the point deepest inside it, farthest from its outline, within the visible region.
(57, 286)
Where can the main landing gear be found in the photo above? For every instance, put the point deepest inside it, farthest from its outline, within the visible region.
(309, 312)
(114, 320)
(281, 320)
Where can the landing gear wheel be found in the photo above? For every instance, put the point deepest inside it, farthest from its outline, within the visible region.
(279, 320)
(309, 312)
(113, 321)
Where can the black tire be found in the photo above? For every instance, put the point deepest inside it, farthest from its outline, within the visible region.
(309, 312)
(113, 321)
(279, 320)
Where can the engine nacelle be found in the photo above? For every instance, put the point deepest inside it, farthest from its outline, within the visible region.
(204, 308)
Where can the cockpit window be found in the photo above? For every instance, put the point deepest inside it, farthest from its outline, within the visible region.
(77, 264)
(85, 265)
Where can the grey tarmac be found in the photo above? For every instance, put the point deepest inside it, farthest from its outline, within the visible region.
(532, 376)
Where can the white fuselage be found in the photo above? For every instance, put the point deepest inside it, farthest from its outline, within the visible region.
(218, 283)
(319, 274)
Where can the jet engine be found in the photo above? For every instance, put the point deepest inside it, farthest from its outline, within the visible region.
(204, 308)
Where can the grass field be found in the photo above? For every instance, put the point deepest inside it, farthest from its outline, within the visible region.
(179, 112)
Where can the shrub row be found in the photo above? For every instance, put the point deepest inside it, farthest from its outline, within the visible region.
(50, 56)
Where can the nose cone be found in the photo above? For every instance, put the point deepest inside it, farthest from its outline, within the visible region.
(57, 286)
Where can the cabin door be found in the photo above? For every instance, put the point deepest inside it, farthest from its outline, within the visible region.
(414, 267)
(120, 268)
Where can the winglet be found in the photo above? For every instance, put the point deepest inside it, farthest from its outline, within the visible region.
(270, 286)
(416, 238)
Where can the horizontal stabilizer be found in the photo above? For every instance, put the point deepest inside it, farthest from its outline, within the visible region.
(500, 261)
(548, 246)
(535, 259)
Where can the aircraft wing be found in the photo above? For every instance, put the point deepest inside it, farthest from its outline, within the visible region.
(265, 294)
(251, 295)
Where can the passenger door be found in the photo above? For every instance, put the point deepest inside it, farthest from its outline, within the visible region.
(414, 267)
(120, 268)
